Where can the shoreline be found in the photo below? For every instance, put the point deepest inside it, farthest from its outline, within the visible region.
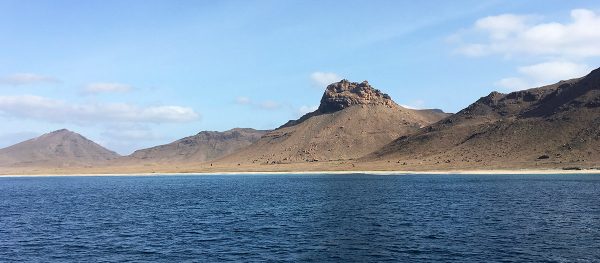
(366, 172)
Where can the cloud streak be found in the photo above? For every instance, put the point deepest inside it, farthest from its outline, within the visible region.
(542, 74)
(307, 109)
(52, 110)
(322, 79)
(264, 105)
(8, 139)
(132, 135)
(19, 79)
(514, 35)
(95, 88)
(555, 71)
(414, 105)
(560, 48)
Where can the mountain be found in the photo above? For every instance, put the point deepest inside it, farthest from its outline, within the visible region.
(353, 119)
(204, 146)
(55, 149)
(551, 126)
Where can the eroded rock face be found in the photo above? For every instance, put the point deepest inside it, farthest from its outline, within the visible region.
(343, 94)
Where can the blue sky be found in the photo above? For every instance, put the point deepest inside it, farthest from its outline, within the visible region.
(132, 74)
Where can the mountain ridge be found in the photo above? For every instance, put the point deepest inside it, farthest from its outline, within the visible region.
(204, 146)
(554, 125)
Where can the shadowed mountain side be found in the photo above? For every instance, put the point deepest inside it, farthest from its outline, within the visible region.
(204, 146)
(352, 120)
(555, 125)
(56, 149)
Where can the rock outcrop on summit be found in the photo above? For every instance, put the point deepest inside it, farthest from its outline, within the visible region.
(555, 126)
(352, 120)
(202, 147)
(62, 148)
(344, 94)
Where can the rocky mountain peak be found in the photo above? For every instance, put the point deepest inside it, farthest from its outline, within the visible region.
(55, 149)
(61, 132)
(343, 94)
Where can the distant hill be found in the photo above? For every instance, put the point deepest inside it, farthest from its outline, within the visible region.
(551, 126)
(56, 149)
(353, 119)
(204, 146)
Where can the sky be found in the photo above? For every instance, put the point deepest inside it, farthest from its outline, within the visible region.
(134, 74)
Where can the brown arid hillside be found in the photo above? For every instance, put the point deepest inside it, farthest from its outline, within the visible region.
(204, 146)
(352, 120)
(555, 126)
(62, 148)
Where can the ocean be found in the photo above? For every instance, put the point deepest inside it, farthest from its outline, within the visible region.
(294, 218)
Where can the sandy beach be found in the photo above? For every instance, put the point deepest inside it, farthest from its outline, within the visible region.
(374, 172)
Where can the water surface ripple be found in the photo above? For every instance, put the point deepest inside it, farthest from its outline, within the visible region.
(322, 218)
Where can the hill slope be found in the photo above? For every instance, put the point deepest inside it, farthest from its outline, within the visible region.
(551, 126)
(204, 146)
(55, 149)
(352, 120)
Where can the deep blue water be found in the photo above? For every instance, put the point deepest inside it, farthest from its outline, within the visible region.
(337, 218)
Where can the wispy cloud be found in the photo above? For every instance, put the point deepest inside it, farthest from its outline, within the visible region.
(48, 109)
(514, 35)
(8, 139)
(554, 71)
(19, 79)
(543, 73)
(243, 100)
(132, 134)
(322, 79)
(414, 105)
(124, 138)
(95, 88)
(269, 105)
(513, 84)
(307, 109)
(263, 105)
(560, 48)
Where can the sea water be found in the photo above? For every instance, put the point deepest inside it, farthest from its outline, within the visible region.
(320, 218)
